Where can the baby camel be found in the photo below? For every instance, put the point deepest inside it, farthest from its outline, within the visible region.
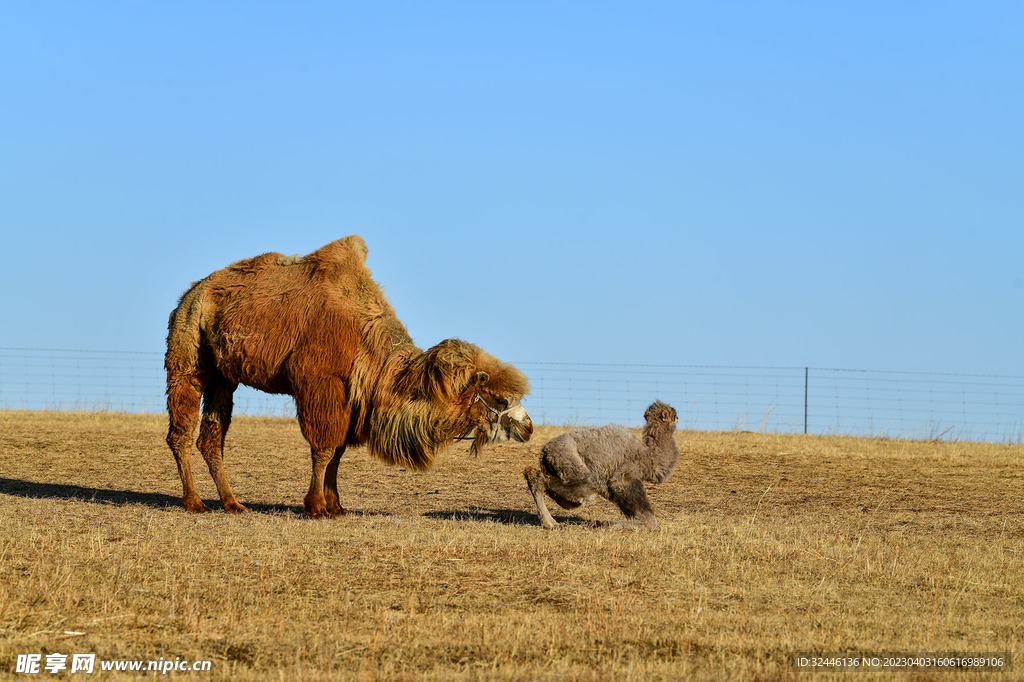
(608, 461)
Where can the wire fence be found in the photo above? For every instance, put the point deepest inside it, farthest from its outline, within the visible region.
(815, 400)
(103, 381)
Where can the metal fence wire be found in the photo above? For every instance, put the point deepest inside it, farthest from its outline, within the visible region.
(817, 400)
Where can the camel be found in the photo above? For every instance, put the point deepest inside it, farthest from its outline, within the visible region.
(609, 461)
(319, 328)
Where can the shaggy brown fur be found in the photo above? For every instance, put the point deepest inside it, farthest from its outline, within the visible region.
(608, 461)
(319, 328)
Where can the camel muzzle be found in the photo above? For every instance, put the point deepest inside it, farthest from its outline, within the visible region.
(511, 424)
(515, 425)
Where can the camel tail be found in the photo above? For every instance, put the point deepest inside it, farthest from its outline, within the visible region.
(182, 360)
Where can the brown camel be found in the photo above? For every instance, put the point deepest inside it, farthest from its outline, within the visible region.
(320, 329)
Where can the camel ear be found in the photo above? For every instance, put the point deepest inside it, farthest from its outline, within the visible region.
(482, 378)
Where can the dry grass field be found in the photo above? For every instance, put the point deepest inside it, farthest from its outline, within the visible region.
(768, 545)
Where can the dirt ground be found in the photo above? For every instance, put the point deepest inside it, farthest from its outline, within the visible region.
(769, 547)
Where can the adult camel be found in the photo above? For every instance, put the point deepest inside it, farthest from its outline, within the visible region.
(319, 328)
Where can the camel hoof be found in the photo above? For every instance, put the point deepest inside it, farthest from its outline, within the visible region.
(336, 511)
(549, 526)
(235, 508)
(313, 513)
(195, 505)
(315, 506)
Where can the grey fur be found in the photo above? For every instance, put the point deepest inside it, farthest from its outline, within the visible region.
(608, 461)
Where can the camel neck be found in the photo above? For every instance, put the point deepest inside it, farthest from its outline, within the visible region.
(664, 453)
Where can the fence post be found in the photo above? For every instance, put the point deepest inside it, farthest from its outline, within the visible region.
(806, 372)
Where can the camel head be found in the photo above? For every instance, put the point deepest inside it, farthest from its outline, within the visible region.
(453, 391)
(502, 419)
(483, 393)
(661, 414)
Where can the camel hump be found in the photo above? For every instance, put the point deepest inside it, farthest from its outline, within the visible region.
(340, 250)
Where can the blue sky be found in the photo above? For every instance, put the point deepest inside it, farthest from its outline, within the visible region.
(824, 184)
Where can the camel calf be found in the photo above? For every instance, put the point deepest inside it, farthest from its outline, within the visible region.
(608, 461)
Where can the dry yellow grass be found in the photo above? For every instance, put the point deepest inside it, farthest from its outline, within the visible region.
(768, 545)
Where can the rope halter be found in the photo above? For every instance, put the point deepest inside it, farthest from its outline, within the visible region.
(497, 413)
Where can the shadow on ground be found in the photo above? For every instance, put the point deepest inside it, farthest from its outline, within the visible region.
(509, 517)
(58, 491)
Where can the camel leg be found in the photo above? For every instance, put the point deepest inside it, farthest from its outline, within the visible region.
(535, 481)
(631, 498)
(334, 507)
(213, 429)
(323, 412)
(183, 393)
(315, 504)
(565, 496)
